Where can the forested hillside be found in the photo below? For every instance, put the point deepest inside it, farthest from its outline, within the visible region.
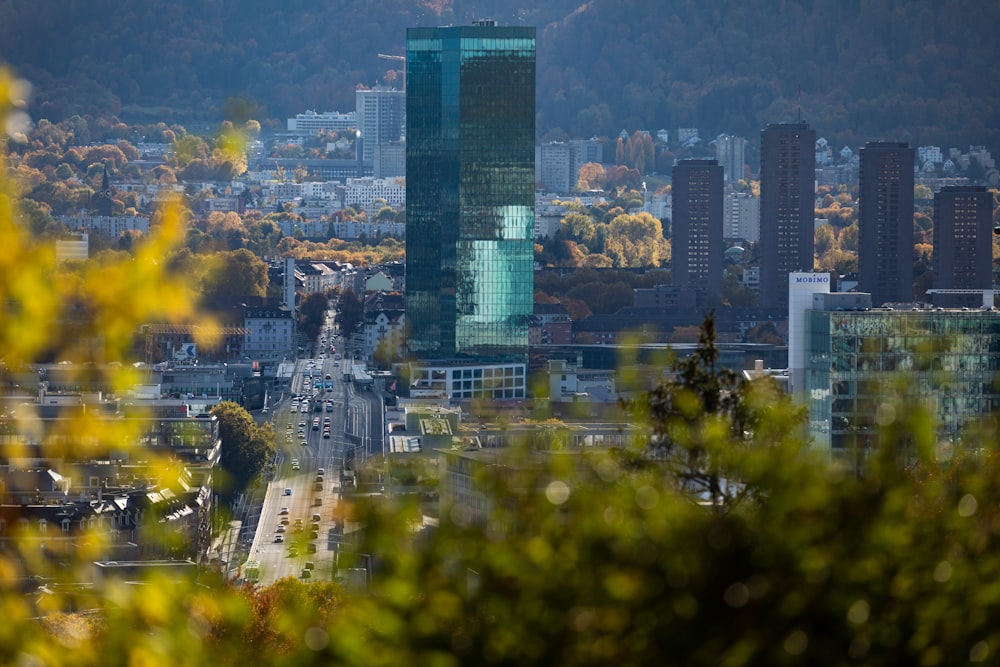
(918, 71)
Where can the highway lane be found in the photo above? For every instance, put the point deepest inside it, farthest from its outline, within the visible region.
(310, 494)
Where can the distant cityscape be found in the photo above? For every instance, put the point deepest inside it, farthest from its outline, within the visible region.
(461, 329)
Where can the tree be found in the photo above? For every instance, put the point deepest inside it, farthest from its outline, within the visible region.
(350, 311)
(591, 177)
(312, 311)
(232, 275)
(699, 414)
(246, 447)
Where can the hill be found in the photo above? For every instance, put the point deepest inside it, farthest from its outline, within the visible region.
(917, 71)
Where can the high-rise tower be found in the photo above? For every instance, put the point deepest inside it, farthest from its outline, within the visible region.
(470, 178)
(885, 222)
(963, 222)
(381, 117)
(787, 193)
(697, 225)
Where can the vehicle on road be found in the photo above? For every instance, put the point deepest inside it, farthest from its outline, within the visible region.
(288, 492)
(278, 538)
(281, 528)
(284, 510)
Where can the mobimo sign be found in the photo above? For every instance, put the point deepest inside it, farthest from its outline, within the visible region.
(802, 278)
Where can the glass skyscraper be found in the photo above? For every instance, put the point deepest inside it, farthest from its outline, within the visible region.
(470, 178)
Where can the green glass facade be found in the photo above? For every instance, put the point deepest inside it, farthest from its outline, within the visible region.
(470, 179)
(948, 360)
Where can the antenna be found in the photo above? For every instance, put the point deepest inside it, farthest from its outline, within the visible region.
(799, 102)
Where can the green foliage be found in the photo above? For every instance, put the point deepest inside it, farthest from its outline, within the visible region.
(246, 447)
(312, 311)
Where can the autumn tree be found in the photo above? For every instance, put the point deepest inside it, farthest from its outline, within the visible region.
(233, 275)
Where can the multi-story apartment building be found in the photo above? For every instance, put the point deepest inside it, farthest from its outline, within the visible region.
(885, 222)
(963, 244)
(697, 226)
(311, 122)
(381, 117)
(729, 151)
(787, 190)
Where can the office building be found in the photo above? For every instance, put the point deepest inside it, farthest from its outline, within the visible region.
(381, 116)
(697, 226)
(470, 128)
(729, 151)
(963, 242)
(554, 167)
(858, 358)
(885, 222)
(787, 192)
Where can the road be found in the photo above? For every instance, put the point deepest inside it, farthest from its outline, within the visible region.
(299, 491)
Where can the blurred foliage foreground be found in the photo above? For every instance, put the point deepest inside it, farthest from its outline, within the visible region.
(591, 559)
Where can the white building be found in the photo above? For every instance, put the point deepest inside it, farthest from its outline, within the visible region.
(311, 122)
(384, 329)
(361, 193)
(381, 117)
(801, 287)
(269, 332)
(741, 217)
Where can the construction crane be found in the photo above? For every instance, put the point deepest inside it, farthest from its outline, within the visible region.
(401, 59)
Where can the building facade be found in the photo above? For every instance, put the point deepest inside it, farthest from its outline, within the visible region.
(963, 245)
(787, 191)
(311, 122)
(697, 226)
(729, 151)
(945, 360)
(885, 222)
(470, 191)
(381, 117)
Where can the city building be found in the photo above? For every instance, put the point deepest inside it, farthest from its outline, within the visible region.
(554, 167)
(381, 117)
(963, 244)
(787, 190)
(362, 193)
(269, 332)
(885, 222)
(583, 151)
(311, 122)
(801, 288)
(470, 198)
(729, 152)
(741, 217)
(945, 360)
(697, 226)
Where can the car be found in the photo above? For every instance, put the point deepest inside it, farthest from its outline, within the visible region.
(311, 548)
(280, 528)
(288, 492)
(298, 522)
(283, 522)
(309, 565)
(318, 486)
(314, 526)
(306, 574)
(292, 552)
(296, 466)
(284, 510)
(315, 518)
(321, 471)
(278, 538)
